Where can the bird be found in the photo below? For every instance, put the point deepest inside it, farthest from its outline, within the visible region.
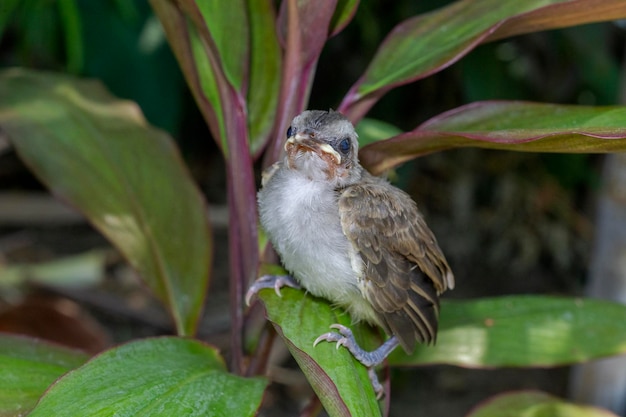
(351, 238)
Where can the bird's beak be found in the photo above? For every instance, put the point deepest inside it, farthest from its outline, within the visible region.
(305, 141)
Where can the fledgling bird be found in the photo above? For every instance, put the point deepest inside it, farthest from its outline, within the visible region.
(351, 238)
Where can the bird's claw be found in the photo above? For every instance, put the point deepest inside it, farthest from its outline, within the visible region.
(270, 281)
(330, 337)
(344, 337)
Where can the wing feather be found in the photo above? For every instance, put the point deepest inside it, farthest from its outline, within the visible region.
(405, 270)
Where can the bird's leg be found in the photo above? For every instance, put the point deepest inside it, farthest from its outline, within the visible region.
(346, 338)
(369, 359)
(378, 388)
(271, 281)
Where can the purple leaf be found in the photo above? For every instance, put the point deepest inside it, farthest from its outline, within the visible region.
(509, 125)
(303, 28)
(425, 44)
(100, 155)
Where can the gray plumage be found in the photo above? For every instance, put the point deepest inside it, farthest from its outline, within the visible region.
(350, 237)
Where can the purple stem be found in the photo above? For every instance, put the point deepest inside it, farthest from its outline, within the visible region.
(243, 239)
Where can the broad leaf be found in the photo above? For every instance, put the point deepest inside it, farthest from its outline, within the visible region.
(514, 126)
(27, 368)
(559, 15)
(265, 72)
(223, 25)
(341, 383)
(165, 376)
(99, 154)
(213, 86)
(428, 43)
(222, 56)
(534, 404)
(523, 331)
(229, 52)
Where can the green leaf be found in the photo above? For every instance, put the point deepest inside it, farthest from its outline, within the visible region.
(373, 130)
(344, 13)
(534, 404)
(180, 31)
(226, 25)
(523, 331)
(265, 72)
(514, 126)
(341, 383)
(27, 368)
(215, 74)
(427, 43)
(208, 87)
(153, 377)
(561, 14)
(99, 154)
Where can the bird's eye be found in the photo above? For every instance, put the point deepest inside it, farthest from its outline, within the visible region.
(290, 131)
(344, 145)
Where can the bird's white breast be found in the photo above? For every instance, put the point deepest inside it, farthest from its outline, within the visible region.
(301, 217)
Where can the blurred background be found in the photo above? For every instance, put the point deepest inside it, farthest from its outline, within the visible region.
(509, 223)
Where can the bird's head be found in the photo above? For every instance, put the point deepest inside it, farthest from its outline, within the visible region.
(323, 146)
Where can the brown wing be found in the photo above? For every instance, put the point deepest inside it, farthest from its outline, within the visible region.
(405, 270)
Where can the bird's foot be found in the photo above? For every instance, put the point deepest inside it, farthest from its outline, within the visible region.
(369, 359)
(270, 281)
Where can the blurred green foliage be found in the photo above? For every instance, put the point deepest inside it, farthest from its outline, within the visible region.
(121, 43)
